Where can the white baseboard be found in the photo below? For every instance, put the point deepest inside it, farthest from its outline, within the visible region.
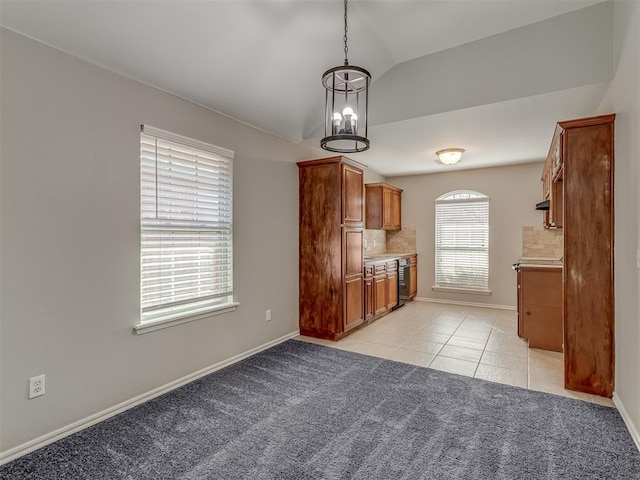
(466, 304)
(74, 427)
(627, 420)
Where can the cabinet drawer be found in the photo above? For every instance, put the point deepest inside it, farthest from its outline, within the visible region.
(368, 271)
(541, 286)
(382, 268)
(392, 266)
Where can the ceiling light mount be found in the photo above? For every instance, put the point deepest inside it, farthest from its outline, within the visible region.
(346, 105)
(450, 156)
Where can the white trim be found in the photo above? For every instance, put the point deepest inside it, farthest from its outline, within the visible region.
(635, 435)
(153, 325)
(467, 304)
(472, 291)
(181, 139)
(478, 197)
(74, 427)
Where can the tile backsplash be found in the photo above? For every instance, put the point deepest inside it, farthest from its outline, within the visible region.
(375, 242)
(380, 241)
(402, 241)
(540, 242)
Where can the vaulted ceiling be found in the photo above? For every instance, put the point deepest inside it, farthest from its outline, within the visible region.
(490, 76)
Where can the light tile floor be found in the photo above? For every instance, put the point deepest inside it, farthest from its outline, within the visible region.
(473, 341)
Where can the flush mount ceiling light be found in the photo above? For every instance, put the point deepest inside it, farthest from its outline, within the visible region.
(346, 104)
(450, 156)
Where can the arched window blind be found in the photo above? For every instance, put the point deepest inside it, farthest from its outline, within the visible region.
(462, 240)
(186, 218)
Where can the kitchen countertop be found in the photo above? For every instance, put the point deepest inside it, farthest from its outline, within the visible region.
(540, 262)
(385, 257)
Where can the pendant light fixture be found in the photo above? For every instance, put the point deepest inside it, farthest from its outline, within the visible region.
(346, 105)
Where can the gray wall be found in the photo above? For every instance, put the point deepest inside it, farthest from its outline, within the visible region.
(69, 234)
(69, 244)
(624, 100)
(513, 193)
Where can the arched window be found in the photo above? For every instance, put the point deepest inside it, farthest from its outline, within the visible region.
(462, 240)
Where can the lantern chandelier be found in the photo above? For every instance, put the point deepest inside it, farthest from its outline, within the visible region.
(346, 105)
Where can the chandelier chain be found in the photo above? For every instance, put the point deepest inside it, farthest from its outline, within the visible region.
(346, 28)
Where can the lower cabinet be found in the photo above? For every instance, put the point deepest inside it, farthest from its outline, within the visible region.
(413, 276)
(379, 294)
(392, 289)
(381, 288)
(540, 307)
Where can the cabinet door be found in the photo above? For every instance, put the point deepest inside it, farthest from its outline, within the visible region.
(368, 298)
(392, 290)
(353, 279)
(556, 207)
(380, 294)
(396, 207)
(543, 326)
(387, 214)
(413, 281)
(541, 307)
(519, 300)
(353, 306)
(353, 246)
(352, 196)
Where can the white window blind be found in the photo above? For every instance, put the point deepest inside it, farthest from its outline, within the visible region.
(186, 218)
(462, 240)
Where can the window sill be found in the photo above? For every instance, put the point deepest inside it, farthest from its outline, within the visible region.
(158, 324)
(472, 291)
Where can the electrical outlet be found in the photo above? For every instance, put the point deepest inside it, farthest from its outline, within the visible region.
(268, 315)
(36, 386)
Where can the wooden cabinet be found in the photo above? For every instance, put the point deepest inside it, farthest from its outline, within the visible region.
(353, 279)
(379, 294)
(392, 284)
(540, 306)
(331, 247)
(382, 295)
(368, 299)
(587, 160)
(556, 205)
(552, 183)
(383, 206)
(413, 276)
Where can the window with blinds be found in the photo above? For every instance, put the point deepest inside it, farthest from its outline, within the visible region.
(186, 218)
(462, 240)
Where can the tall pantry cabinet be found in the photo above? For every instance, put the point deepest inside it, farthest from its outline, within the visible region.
(331, 221)
(586, 166)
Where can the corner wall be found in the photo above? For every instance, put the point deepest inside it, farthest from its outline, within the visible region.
(513, 193)
(69, 245)
(623, 99)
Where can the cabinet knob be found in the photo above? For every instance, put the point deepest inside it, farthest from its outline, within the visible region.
(527, 312)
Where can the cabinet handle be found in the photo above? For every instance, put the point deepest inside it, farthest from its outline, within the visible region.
(527, 312)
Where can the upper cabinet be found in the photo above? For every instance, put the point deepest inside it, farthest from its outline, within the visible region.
(552, 182)
(383, 206)
(352, 196)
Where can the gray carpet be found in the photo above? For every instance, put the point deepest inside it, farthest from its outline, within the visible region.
(302, 411)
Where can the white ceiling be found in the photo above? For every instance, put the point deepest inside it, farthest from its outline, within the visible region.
(260, 62)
